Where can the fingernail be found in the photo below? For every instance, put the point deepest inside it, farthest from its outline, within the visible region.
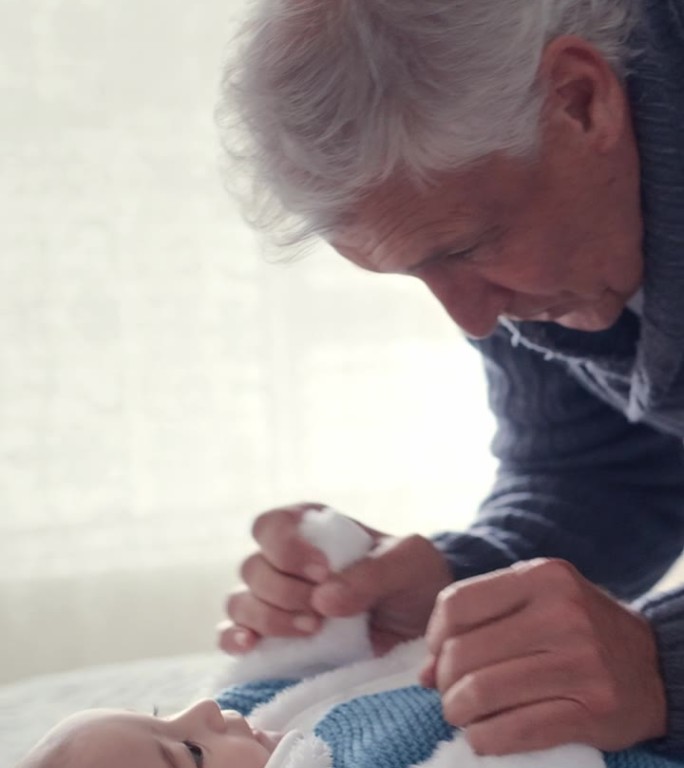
(426, 675)
(305, 623)
(241, 637)
(334, 595)
(317, 573)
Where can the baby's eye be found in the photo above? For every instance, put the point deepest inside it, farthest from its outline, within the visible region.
(195, 752)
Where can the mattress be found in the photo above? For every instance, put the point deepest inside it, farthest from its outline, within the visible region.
(29, 708)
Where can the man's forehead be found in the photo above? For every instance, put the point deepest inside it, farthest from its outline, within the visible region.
(389, 227)
(456, 191)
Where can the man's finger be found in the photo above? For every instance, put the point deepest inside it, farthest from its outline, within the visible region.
(474, 602)
(381, 574)
(243, 608)
(266, 583)
(536, 628)
(514, 684)
(235, 639)
(538, 726)
(277, 533)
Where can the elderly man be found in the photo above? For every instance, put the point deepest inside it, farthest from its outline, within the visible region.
(525, 160)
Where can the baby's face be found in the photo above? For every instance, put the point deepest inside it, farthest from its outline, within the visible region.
(199, 737)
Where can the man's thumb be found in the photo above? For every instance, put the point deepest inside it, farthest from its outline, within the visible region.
(386, 570)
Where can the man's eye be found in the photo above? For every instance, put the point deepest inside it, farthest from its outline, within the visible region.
(462, 255)
(195, 752)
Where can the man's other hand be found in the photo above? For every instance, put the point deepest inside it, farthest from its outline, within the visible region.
(535, 656)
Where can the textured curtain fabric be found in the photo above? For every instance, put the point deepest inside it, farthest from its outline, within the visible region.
(160, 382)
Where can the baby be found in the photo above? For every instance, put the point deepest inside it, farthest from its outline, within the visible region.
(202, 736)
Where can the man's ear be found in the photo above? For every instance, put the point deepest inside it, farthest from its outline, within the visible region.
(582, 91)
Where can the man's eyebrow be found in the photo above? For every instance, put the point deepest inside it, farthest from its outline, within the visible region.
(168, 756)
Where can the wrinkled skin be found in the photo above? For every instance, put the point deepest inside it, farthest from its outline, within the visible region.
(535, 655)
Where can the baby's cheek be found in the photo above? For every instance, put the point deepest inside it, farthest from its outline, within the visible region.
(243, 753)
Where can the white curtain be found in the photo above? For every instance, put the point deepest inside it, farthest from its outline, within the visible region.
(160, 383)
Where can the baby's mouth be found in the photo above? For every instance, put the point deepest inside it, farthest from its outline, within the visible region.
(267, 739)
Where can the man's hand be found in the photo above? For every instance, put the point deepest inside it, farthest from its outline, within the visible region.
(289, 588)
(535, 656)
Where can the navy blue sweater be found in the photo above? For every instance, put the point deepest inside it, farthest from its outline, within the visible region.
(590, 425)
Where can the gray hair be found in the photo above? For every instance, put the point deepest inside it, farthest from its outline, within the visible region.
(325, 99)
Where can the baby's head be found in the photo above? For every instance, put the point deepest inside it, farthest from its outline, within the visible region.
(201, 736)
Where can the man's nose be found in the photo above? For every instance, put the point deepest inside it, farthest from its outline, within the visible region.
(472, 303)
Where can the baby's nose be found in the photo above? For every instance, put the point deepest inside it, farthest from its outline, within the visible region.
(207, 712)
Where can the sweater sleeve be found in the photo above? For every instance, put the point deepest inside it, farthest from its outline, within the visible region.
(665, 613)
(576, 480)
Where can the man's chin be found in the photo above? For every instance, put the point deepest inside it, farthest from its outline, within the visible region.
(588, 320)
(591, 317)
